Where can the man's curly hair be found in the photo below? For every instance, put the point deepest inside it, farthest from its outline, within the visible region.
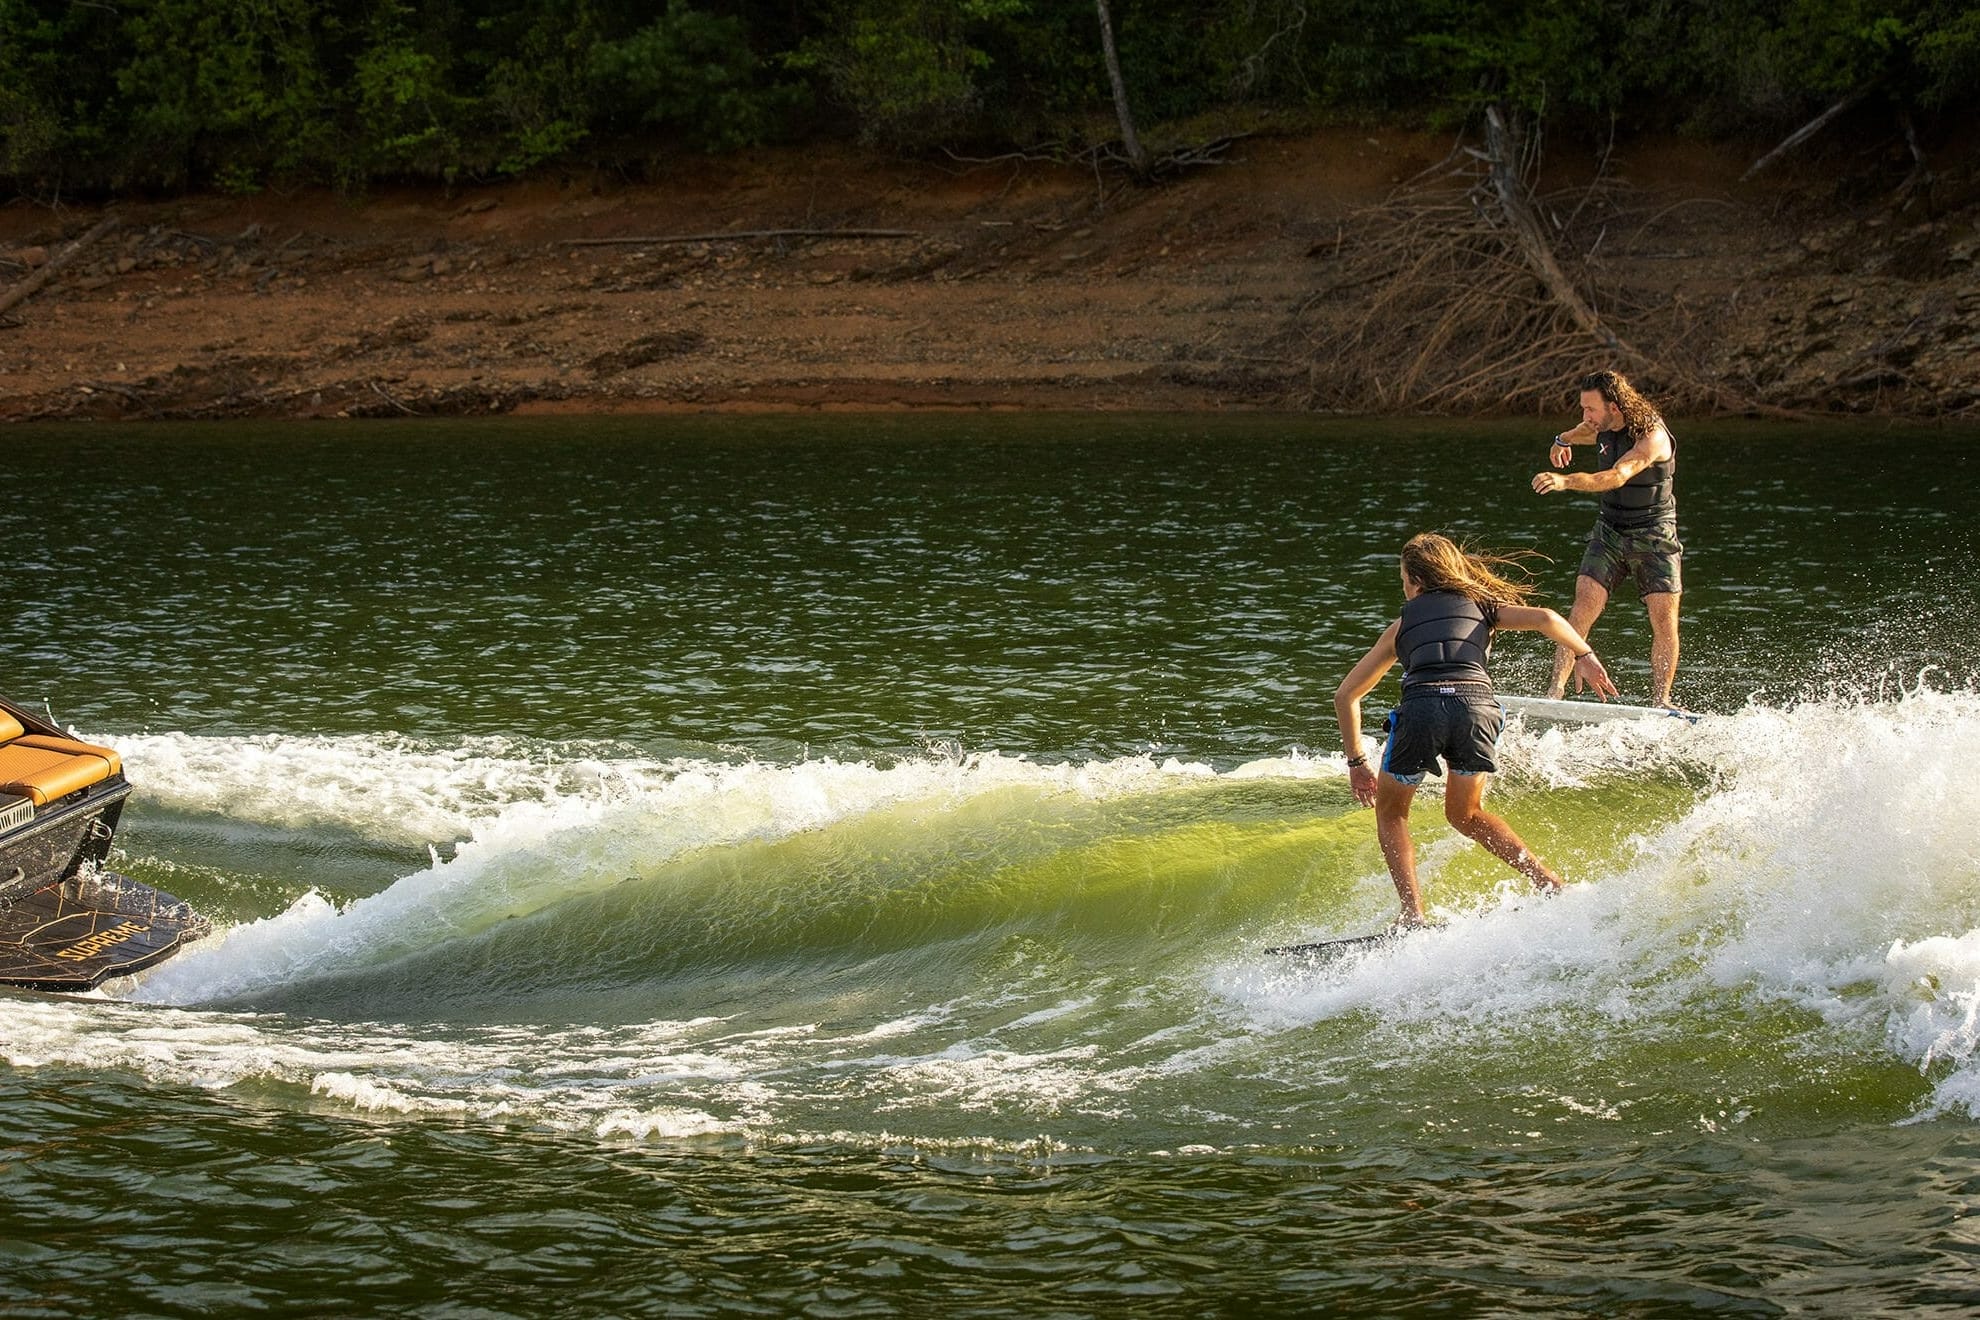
(1639, 415)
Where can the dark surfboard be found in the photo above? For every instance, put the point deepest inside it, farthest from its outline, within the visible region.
(1324, 950)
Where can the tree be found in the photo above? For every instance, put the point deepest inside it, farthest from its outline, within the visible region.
(907, 69)
(1137, 157)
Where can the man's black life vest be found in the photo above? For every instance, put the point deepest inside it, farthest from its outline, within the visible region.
(1646, 499)
(1445, 637)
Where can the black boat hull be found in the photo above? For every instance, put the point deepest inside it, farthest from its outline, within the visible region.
(65, 922)
(63, 837)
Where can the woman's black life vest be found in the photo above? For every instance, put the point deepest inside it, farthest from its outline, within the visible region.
(1646, 499)
(1445, 637)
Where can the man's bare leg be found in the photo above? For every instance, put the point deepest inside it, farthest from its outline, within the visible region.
(1589, 598)
(1392, 799)
(1663, 607)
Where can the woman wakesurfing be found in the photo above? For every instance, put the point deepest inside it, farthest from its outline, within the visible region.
(1454, 599)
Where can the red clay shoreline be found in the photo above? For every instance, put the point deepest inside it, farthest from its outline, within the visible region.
(1018, 286)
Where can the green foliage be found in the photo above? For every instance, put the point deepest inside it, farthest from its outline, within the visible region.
(58, 89)
(1911, 49)
(1949, 56)
(908, 70)
(1837, 46)
(688, 71)
(238, 94)
(1533, 57)
(1778, 60)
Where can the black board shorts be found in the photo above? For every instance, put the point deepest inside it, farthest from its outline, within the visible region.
(1460, 724)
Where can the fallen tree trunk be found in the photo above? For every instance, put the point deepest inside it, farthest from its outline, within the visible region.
(1802, 134)
(732, 235)
(1533, 244)
(28, 287)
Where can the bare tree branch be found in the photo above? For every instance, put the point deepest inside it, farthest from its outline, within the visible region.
(733, 235)
(1500, 147)
(27, 287)
(1806, 131)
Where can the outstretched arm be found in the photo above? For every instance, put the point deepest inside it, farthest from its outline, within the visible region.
(1360, 681)
(1653, 448)
(1587, 669)
(1561, 452)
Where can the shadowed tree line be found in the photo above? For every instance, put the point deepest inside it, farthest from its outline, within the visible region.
(118, 95)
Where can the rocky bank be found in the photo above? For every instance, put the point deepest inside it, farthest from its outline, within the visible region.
(738, 284)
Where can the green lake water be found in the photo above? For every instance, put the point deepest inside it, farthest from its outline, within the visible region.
(821, 866)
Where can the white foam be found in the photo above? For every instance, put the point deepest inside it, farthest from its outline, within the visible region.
(394, 789)
(666, 1122)
(374, 1097)
(1940, 978)
(975, 1076)
(576, 1079)
(1831, 863)
(215, 1051)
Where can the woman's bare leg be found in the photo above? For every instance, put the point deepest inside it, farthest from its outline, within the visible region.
(1464, 799)
(1392, 799)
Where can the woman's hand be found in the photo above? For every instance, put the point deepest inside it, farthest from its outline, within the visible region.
(1361, 782)
(1588, 673)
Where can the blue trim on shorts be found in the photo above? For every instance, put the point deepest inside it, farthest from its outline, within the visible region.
(1389, 747)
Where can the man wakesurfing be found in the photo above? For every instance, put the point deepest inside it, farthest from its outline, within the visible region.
(1635, 534)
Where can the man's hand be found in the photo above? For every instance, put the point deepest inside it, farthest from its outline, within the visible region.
(1361, 781)
(1560, 453)
(1546, 483)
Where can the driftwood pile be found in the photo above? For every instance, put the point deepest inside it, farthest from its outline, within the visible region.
(1475, 294)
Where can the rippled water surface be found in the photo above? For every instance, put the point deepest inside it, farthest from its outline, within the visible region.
(822, 866)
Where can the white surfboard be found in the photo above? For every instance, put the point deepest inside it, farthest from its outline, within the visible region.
(1589, 711)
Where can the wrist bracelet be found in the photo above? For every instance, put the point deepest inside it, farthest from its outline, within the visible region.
(1357, 760)
(1585, 654)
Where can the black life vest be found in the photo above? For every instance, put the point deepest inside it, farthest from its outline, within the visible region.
(1646, 499)
(1445, 637)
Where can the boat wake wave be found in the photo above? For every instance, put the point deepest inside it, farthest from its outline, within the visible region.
(746, 945)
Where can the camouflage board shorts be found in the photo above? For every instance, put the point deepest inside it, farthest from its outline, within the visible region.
(1652, 557)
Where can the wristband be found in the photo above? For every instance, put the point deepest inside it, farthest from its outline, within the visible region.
(1585, 654)
(1357, 760)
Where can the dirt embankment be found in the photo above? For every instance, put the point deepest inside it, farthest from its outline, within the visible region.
(1015, 285)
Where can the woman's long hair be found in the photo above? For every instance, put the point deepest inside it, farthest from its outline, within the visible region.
(1640, 417)
(1437, 563)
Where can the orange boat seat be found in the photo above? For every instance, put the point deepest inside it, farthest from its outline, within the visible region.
(10, 728)
(46, 769)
